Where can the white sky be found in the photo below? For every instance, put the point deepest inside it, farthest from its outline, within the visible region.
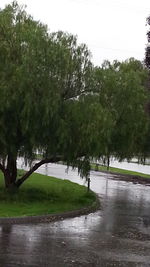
(112, 29)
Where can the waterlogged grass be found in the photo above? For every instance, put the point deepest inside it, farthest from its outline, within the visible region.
(41, 194)
(117, 170)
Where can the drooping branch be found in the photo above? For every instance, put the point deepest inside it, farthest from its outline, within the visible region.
(35, 167)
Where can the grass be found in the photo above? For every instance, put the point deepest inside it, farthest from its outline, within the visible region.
(42, 194)
(117, 170)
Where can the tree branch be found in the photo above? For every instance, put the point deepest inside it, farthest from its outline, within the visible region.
(82, 92)
(35, 167)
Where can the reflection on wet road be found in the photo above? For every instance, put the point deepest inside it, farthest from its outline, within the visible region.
(117, 235)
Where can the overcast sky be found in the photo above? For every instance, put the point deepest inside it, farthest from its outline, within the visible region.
(112, 29)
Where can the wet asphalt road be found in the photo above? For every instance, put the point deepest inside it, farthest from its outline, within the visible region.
(116, 235)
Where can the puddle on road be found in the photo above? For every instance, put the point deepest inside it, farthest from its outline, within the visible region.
(117, 234)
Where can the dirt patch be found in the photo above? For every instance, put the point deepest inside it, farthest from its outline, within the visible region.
(130, 178)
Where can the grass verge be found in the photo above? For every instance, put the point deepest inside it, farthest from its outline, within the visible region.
(42, 195)
(117, 170)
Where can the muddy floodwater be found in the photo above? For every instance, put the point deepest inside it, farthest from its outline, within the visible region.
(116, 235)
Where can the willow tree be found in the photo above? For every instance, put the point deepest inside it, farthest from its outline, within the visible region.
(40, 73)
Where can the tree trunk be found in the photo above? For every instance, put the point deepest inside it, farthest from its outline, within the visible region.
(108, 162)
(54, 159)
(10, 173)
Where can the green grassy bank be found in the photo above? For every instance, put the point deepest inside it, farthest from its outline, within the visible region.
(117, 170)
(41, 194)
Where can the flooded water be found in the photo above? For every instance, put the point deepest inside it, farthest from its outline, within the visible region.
(116, 235)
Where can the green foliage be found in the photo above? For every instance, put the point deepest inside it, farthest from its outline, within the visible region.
(121, 88)
(39, 73)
